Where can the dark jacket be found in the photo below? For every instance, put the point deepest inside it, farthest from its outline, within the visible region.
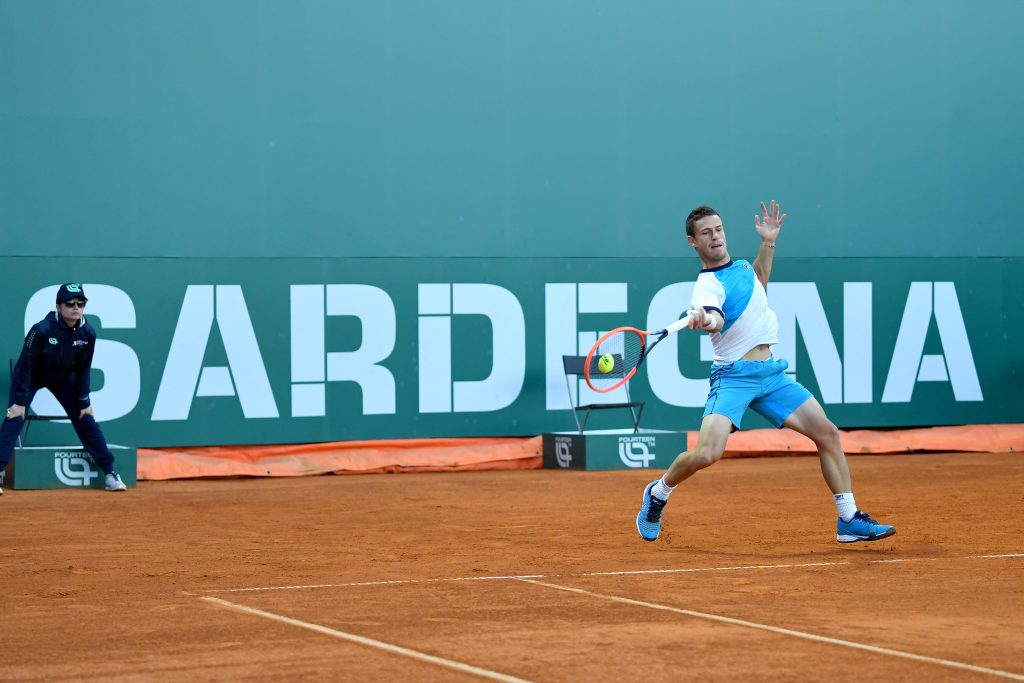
(55, 354)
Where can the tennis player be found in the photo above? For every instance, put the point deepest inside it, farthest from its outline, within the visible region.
(57, 355)
(730, 302)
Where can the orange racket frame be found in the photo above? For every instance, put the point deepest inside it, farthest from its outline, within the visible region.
(645, 350)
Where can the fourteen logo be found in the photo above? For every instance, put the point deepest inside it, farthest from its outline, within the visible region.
(74, 469)
(563, 451)
(636, 451)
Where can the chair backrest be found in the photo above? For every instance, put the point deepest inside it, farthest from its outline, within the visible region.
(575, 365)
(574, 368)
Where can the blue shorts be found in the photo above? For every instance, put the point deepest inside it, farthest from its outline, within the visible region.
(761, 384)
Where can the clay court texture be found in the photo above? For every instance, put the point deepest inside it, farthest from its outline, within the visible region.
(522, 574)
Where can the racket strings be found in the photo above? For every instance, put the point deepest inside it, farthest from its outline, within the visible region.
(626, 347)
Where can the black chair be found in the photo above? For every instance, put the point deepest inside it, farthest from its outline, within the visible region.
(574, 366)
(29, 417)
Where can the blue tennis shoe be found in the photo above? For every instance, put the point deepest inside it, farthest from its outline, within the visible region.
(648, 520)
(861, 528)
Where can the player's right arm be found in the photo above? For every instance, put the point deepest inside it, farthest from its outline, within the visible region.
(706, 304)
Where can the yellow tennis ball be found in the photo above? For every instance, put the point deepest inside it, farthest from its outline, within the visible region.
(606, 363)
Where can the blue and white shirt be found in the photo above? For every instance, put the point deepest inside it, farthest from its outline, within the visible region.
(734, 291)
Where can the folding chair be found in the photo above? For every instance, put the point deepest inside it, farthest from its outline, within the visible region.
(574, 366)
(29, 417)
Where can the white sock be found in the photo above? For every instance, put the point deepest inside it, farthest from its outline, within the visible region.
(846, 506)
(662, 490)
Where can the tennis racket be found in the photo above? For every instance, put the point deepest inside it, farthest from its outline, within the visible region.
(628, 347)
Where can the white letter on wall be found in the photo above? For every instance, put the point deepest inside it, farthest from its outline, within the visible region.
(909, 362)
(312, 366)
(184, 375)
(438, 393)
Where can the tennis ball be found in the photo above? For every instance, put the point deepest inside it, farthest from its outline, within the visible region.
(606, 363)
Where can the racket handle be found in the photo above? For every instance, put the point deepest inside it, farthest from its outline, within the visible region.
(679, 324)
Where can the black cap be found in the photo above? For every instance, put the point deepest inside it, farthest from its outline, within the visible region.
(72, 290)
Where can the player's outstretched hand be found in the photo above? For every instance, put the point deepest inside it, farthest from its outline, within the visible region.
(769, 222)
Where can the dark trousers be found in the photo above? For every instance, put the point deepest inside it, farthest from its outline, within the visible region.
(86, 428)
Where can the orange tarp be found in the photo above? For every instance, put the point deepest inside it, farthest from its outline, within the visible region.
(447, 455)
(341, 457)
(997, 438)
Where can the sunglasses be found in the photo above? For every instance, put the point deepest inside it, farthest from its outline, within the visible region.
(75, 304)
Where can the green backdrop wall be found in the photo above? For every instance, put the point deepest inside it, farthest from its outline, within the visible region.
(494, 128)
(284, 350)
(192, 154)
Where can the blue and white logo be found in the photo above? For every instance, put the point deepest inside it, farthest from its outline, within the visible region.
(74, 469)
(636, 451)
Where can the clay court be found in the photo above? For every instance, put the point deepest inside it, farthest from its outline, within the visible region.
(532, 575)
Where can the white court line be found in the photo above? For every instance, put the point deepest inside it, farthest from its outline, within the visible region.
(312, 585)
(705, 569)
(747, 567)
(492, 578)
(785, 631)
(371, 583)
(387, 647)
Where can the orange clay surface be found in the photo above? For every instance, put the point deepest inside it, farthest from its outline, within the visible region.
(342, 571)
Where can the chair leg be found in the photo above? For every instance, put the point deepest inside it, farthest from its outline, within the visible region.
(636, 419)
(23, 434)
(577, 419)
(572, 405)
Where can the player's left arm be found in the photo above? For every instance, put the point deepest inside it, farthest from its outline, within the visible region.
(768, 225)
